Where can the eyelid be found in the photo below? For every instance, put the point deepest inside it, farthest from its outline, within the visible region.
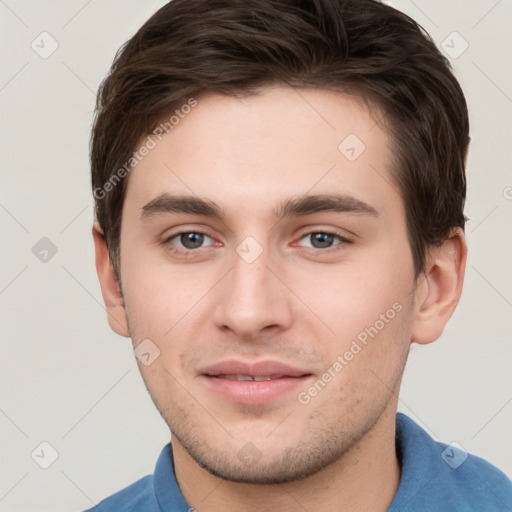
(166, 240)
(343, 239)
(328, 230)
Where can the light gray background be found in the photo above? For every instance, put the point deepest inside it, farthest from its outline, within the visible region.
(68, 380)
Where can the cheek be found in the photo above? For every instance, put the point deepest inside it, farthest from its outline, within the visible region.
(166, 305)
(159, 295)
(368, 312)
(366, 367)
(350, 299)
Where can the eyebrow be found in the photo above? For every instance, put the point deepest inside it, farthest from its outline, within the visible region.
(293, 207)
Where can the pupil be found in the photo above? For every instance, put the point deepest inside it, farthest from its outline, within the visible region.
(320, 240)
(192, 240)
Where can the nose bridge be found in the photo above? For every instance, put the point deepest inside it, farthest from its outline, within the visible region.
(252, 298)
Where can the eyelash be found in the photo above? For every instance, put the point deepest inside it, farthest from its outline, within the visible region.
(341, 239)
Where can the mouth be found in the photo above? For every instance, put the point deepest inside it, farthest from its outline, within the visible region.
(253, 383)
(244, 378)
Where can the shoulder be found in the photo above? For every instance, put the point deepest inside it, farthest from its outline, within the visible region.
(470, 480)
(440, 476)
(153, 493)
(138, 496)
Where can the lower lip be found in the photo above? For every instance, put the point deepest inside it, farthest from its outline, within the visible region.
(251, 392)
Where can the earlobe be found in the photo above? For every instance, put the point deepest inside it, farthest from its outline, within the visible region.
(438, 295)
(112, 296)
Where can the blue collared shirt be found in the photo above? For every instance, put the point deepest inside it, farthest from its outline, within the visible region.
(435, 478)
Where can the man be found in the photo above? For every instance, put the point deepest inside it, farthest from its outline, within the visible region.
(279, 190)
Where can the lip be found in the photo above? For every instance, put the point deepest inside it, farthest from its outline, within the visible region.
(253, 392)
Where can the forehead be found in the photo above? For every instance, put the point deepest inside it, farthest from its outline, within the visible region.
(257, 151)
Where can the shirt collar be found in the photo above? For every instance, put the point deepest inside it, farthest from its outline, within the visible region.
(411, 447)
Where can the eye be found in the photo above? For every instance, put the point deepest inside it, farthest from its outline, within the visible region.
(323, 240)
(188, 240)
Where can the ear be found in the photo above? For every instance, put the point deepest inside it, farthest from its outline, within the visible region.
(112, 296)
(438, 292)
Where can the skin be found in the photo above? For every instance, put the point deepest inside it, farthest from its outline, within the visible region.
(297, 303)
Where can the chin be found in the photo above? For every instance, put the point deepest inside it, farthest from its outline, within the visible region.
(249, 465)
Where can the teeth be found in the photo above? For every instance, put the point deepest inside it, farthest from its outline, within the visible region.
(242, 378)
(236, 377)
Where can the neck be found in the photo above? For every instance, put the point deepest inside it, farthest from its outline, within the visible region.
(365, 478)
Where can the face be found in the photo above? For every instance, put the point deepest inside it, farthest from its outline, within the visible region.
(264, 255)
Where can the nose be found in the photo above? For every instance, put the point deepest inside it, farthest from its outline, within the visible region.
(253, 298)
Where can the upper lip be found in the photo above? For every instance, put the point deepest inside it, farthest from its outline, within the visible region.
(255, 369)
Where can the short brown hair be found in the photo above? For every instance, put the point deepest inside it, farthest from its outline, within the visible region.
(235, 47)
